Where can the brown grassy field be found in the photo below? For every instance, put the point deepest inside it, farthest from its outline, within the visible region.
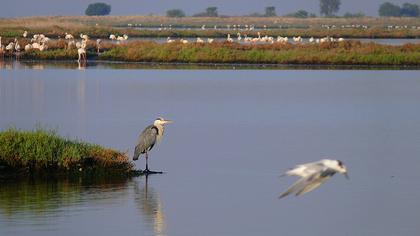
(102, 26)
(343, 53)
(69, 21)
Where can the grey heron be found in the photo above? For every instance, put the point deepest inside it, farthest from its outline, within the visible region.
(150, 136)
(313, 175)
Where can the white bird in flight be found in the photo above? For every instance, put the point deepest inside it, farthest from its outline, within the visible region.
(313, 175)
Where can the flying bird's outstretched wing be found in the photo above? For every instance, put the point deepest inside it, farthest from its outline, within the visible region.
(305, 170)
(309, 183)
(146, 141)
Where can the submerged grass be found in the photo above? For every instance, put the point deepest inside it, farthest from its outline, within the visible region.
(45, 152)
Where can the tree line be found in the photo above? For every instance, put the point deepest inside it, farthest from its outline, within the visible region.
(407, 10)
(327, 8)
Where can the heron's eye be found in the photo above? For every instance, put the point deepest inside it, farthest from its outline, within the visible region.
(340, 163)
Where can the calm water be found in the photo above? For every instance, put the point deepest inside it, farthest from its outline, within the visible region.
(235, 132)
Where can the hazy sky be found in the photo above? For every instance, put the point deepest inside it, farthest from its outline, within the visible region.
(14, 8)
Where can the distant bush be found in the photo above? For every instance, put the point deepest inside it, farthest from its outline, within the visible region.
(98, 9)
(270, 11)
(329, 7)
(407, 9)
(410, 10)
(175, 13)
(389, 9)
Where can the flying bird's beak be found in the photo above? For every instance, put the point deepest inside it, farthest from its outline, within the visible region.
(346, 175)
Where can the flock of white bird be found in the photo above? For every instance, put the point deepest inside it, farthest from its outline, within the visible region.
(260, 39)
(39, 42)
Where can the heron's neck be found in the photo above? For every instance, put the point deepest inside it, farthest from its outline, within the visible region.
(161, 130)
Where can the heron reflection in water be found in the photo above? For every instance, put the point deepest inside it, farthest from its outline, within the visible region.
(149, 204)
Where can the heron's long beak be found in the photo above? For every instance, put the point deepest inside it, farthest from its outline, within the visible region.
(346, 175)
(168, 121)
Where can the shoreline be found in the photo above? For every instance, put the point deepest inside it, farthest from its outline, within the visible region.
(331, 53)
(73, 63)
(42, 152)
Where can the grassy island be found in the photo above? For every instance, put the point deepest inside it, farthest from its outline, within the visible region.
(336, 53)
(43, 152)
(329, 53)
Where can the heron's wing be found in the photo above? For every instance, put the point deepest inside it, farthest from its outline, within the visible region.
(146, 141)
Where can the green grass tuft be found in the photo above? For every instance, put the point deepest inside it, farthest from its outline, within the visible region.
(43, 150)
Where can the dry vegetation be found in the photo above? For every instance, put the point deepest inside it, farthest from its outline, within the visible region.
(343, 53)
(102, 26)
(330, 53)
(348, 52)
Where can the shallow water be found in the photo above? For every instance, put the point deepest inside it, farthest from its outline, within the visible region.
(235, 132)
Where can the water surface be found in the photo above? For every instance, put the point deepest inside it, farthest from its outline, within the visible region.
(235, 132)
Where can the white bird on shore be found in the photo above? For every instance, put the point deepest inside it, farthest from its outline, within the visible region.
(81, 51)
(122, 38)
(112, 37)
(98, 45)
(311, 40)
(17, 48)
(229, 39)
(247, 39)
(169, 40)
(84, 37)
(254, 40)
(297, 39)
(28, 47)
(71, 43)
(68, 36)
(10, 47)
(313, 175)
(25, 33)
(210, 40)
(239, 36)
(184, 41)
(43, 47)
(199, 40)
(36, 45)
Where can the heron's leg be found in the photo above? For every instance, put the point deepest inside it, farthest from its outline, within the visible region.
(147, 166)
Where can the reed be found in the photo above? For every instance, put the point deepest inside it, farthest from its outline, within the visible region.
(103, 26)
(44, 151)
(330, 53)
(336, 53)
